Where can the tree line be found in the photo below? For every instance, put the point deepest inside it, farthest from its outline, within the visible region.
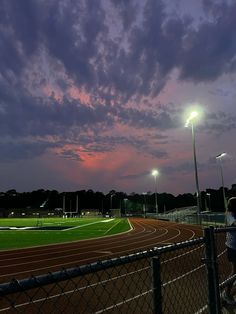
(50, 200)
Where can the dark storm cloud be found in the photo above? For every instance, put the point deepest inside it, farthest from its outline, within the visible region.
(201, 53)
(221, 92)
(219, 122)
(36, 116)
(185, 168)
(72, 36)
(75, 38)
(97, 144)
(19, 33)
(210, 50)
(162, 120)
(11, 59)
(127, 10)
(134, 176)
(23, 149)
(70, 154)
(69, 120)
(79, 38)
(23, 19)
(68, 29)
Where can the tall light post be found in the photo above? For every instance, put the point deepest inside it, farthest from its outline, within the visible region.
(125, 201)
(190, 121)
(111, 200)
(144, 205)
(219, 158)
(155, 174)
(209, 201)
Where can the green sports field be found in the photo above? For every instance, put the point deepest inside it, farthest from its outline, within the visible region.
(28, 232)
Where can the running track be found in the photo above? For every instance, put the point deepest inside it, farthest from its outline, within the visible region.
(146, 233)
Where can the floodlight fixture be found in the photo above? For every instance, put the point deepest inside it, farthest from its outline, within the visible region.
(191, 117)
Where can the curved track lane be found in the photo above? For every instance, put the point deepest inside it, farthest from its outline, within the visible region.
(146, 233)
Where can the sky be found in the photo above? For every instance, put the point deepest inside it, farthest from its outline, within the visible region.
(94, 94)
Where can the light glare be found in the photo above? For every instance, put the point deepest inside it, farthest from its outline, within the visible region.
(155, 172)
(193, 115)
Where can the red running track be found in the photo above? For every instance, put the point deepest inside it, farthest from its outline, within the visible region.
(145, 233)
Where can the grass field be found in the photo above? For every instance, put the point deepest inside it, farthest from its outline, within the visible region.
(77, 229)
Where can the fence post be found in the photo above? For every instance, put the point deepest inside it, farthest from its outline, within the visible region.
(156, 285)
(212, 271)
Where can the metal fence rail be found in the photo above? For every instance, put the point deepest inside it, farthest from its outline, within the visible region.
(181, 278)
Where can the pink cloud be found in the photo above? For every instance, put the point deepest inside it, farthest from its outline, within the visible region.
(79, 94)
(53, 92)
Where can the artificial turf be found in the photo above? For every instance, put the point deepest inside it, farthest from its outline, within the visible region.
(77, 229)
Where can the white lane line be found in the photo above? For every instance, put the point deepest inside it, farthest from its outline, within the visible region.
(75, 290)
(184, 254)
(103, 252)
(124, 302)
(91, 223)
(112, 227)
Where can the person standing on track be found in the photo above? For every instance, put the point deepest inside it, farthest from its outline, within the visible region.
(227, 295)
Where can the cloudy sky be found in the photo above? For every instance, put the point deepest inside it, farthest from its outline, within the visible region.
(94, 94)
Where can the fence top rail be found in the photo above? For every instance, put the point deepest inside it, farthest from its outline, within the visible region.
(224, 229)
(69, 273)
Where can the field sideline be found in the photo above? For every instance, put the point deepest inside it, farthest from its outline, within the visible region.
(18, 233)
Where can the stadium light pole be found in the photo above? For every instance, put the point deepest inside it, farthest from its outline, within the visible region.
(209, 201)
(219, 158)
(125, 201)
(111, 200)
(190, 121)
(145, 204)
(155, 174)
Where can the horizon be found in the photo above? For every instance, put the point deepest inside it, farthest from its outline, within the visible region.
(116, 192)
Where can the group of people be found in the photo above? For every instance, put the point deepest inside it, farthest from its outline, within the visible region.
(228, 293)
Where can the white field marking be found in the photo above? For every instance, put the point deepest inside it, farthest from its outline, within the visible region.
(39, 254)
(202, 310)
(131, 226)
(154, 230)
(114, 278)
(193, 233)
(223, 252)
(47, 267)
(19, 228)
(104, 281)
(178, 278)
(186, 253)
(42, 260)
(112, 226)
(103, 252)
(166, 231)
(184, 275)
(68, 262)
(45, 246)
(179, 232)
(75, 290)
(189, 252)
(124, 302)
(91, 223)
(57, 265)
(108, 220)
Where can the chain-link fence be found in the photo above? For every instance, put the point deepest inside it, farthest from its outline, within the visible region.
(181, 278)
